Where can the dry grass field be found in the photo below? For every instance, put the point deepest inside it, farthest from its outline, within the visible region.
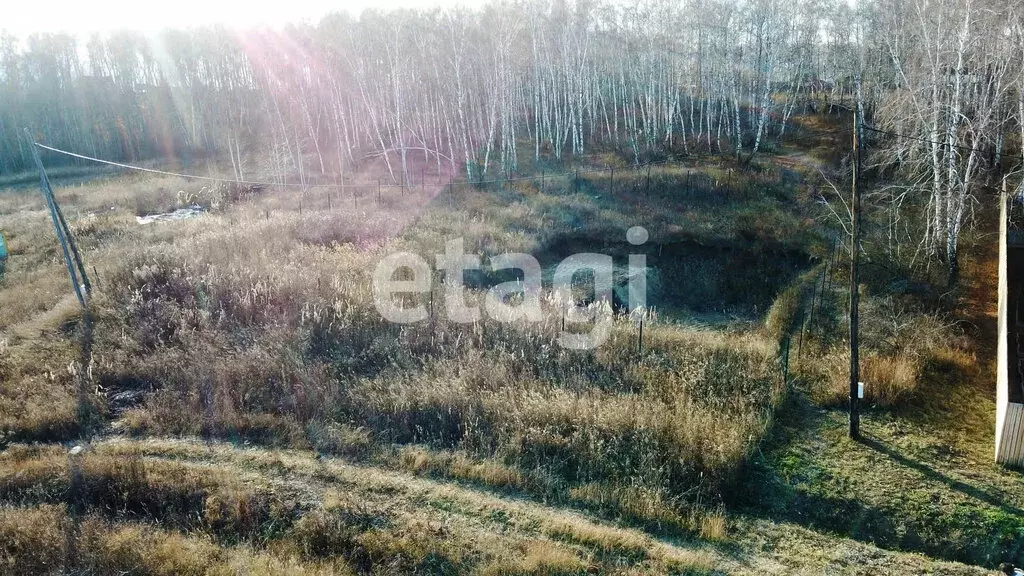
(246, 410)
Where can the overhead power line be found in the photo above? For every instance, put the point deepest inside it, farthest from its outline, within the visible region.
(166, 173)
(338, 186)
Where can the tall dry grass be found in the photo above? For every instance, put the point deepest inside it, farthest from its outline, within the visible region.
(281, 342)
(898, 344)
(265, 512)
(255, 322)
(889, 380)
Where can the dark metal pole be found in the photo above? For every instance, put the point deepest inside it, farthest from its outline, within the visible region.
(640, 338)
(785, 362)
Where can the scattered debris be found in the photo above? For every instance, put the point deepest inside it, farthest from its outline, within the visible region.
(118, 402)
(193, 211)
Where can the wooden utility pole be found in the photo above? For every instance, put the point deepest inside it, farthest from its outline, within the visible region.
(854, 283)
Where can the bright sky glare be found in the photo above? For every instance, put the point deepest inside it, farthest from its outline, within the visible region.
(83, 17)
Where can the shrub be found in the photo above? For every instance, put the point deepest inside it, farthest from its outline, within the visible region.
(889, 381)
(897, 346)
(713, 526)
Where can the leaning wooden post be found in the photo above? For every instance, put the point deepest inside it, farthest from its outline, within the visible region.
(854, 283)
(75, 254)
(59, 224)
(83, 291)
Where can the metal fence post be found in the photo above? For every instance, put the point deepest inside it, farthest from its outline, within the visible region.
(785, 360)
(640, 338)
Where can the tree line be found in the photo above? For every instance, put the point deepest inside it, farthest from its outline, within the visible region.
(464, 91)
(465, 88)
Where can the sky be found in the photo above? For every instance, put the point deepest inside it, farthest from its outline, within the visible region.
(83, 17)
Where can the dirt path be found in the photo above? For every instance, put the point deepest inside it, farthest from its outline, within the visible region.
(760, 546)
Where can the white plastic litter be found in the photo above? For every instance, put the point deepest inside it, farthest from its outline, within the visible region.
(192, 211)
